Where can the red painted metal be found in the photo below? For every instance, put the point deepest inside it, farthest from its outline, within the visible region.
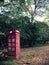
(13, 44)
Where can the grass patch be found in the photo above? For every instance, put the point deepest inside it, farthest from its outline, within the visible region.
(7, 63)
(27, 56)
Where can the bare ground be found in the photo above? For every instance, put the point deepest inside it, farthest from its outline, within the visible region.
(34, 56)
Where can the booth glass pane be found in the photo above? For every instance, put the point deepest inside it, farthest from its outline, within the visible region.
(13, 40)
(9, 44)
(13, 44)
(13, 49)
(9, 36)
(9, 48)
(12, 36)
(9, 40)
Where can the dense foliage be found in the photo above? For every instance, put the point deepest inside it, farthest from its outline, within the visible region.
(33, 33)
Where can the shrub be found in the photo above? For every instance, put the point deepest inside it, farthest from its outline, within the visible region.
(33, 34)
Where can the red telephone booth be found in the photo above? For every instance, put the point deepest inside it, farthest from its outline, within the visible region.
(14, 44)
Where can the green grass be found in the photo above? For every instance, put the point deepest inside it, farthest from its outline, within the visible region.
(7, 63)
